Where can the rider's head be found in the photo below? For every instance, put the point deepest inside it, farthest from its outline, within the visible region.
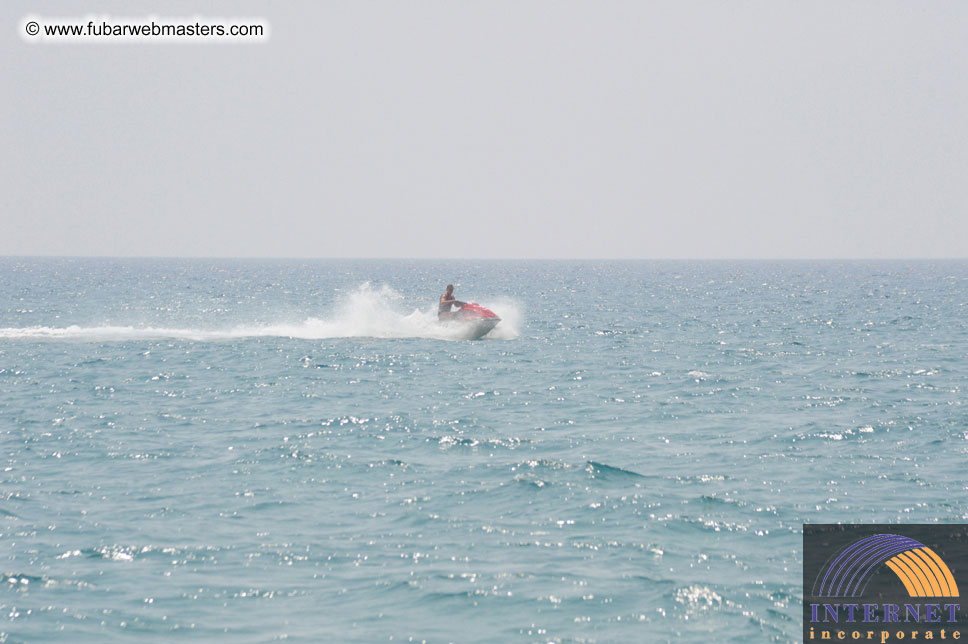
(450, 288)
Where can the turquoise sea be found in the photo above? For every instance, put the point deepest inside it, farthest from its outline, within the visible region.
(252, 451)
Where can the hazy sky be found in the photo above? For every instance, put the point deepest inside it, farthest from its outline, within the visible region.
(526, 128)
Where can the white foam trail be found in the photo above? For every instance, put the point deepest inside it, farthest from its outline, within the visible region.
(75, 332)
(365, 313)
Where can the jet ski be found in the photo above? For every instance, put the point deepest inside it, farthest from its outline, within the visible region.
(473, 320)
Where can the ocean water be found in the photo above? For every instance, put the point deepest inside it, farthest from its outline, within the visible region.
(252, 451)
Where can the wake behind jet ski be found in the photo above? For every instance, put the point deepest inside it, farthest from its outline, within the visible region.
(473, 320)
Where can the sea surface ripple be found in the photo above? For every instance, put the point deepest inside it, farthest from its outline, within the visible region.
(251, 451)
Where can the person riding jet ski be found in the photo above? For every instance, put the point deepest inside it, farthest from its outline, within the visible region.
(447, 300)
(471, 320)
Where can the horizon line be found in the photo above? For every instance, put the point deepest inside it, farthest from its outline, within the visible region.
(497, 259)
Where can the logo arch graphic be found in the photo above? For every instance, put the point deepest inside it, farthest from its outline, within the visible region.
(922, 572)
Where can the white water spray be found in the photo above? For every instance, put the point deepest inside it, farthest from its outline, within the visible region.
(367, 312)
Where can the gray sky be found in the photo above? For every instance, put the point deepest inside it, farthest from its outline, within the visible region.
(531, 128)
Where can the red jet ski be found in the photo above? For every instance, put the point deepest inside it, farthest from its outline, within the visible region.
(474, 319)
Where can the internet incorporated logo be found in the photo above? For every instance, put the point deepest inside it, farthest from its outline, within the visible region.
(906, 586)
(922, 572)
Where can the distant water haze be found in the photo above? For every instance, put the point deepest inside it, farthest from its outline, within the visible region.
(495, 130)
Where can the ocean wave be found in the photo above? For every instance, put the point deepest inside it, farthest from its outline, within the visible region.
(602, 470)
